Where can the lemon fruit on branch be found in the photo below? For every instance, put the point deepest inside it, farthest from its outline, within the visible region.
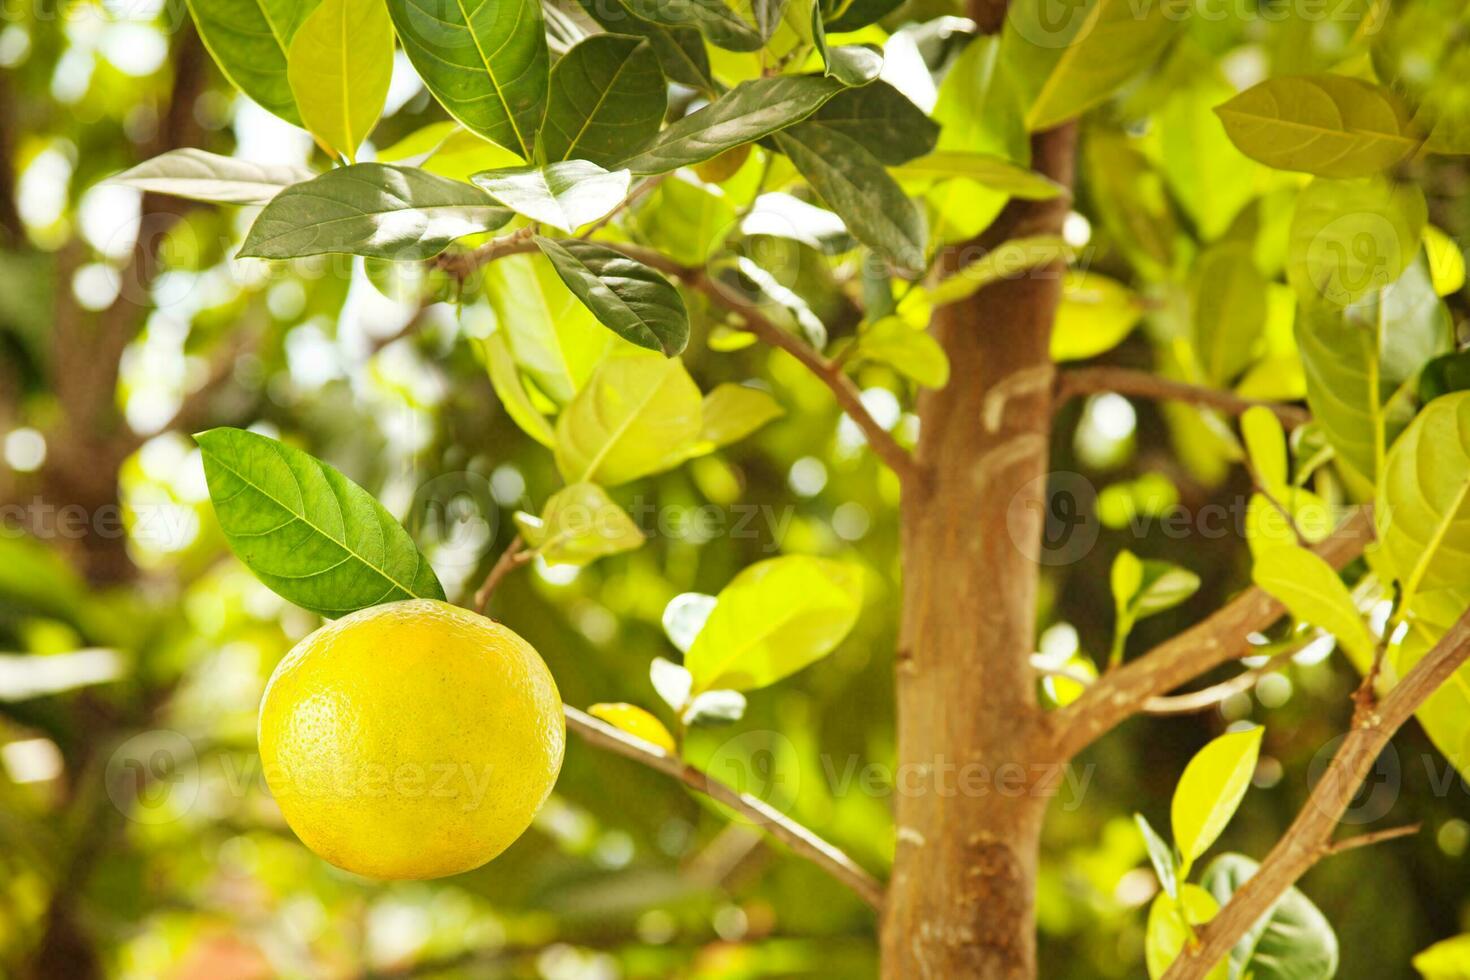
(413, 739)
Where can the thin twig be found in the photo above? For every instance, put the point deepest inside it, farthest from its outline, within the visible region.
(1204, 699)
(1371, 838)
(510, 559)
(461, 264)
(1124, 381)
(638, 192)
(1222, 637)
(1309, 838)
(795, 836)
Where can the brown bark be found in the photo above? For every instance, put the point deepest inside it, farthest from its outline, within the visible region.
(974, 750)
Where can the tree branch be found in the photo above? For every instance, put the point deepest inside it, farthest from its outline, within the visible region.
(1223, 636)
(1143, 384)
(510, 559)
(795, 836)
(1309, 839)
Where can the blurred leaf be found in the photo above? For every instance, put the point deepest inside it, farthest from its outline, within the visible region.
(1229, 300)
(774, 618)
(201, 176)
(372, 209)
(1170, 925)
(626, 296)
(685, 220)
(1095, 315)
(486, 65)
(1349, 238)
(1448, 959)
(1007, 260)
(913, 353)
(715, 708)
(636, 722)
(579, 524)
(1065, 65)
(1423, 506)
(1327, 125)
(607, 98)
(506, 380)
(1132, 201)
(671, 681)
(313, 536)
(732, 411)
(746, 113)
(249, 39)
(338, 66)
(680, 50)
(1161, 855)
(1291, 941)
(1208, 176)
(853, 14)
(1143, 588)
(1444, 374)
(567, 194)
(684, 617)
(1446, 261)
(638, 414)
(1210, 791)
(714, 18)
(1265, 444)
(1360, 363)
(992, 171)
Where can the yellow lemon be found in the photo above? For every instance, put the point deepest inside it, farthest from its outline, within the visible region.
(411, 740)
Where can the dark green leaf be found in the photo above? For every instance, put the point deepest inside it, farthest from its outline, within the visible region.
(625, 295)
(312, 535)
(880, 118)
(680, 50)
(485, 61)
(248, 39)
(607, 97)
(202, 176)
(372, 209)
(860, 13)
(1328, 125)
(1444, 374)
(1292, 941)
(767, 15)
(746, 113)
(714, 18)
(567, 194)
(854, 184)
(851, 64)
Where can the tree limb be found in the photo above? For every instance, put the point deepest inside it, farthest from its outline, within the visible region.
(1223, 636)
(510, 559)
(1143, 384)
(1309, 839)
(800, 839)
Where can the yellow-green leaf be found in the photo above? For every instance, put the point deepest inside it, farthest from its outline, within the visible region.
(1265, 443)
(731, 412)
(339, 65)
(579, 524)
(1170, 925)
(1308, 586)
(1095, 315)
(1446, 261)
(636, 722)
(909, 351)
(505, 378)
(1210, 791)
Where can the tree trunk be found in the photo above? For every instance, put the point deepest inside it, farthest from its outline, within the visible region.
(974, 751)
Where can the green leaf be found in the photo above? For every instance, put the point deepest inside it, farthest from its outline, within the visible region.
(683, 618)
(1360, 364)
(1444, 374)
(748, 112)
(851, 64)
(714, 18)
(913, 353)
(506, 380)
(882, 119)
(1210, 791)
(686, 220)
(553, 338)
(248, 40)
(638, 414)
(607, 97)
(1007, 260)
(1314, 593)
(372, 209)
(1423, 506)
(853, 183)
(338, 66)
(731, 412)
(1327, 125)
(1161, 855)
(579, 524)
(994, 172)
(626, 296)
(313, 536)
(202, 176)
(1448, 959)
(1146, 587)
(774, 618)
(565, 195)
(1095, 315)
(1066, 65)
(1292, 941)
(1170, 927)
(485, 62)
(1133, 202)
(854, 14)
(680, 50)
(1446, 261)
(1265, 445)
(1445, 714)
(1229, 299)
(1349, 238)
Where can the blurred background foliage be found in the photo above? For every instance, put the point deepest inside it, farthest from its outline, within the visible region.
(135, 831)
